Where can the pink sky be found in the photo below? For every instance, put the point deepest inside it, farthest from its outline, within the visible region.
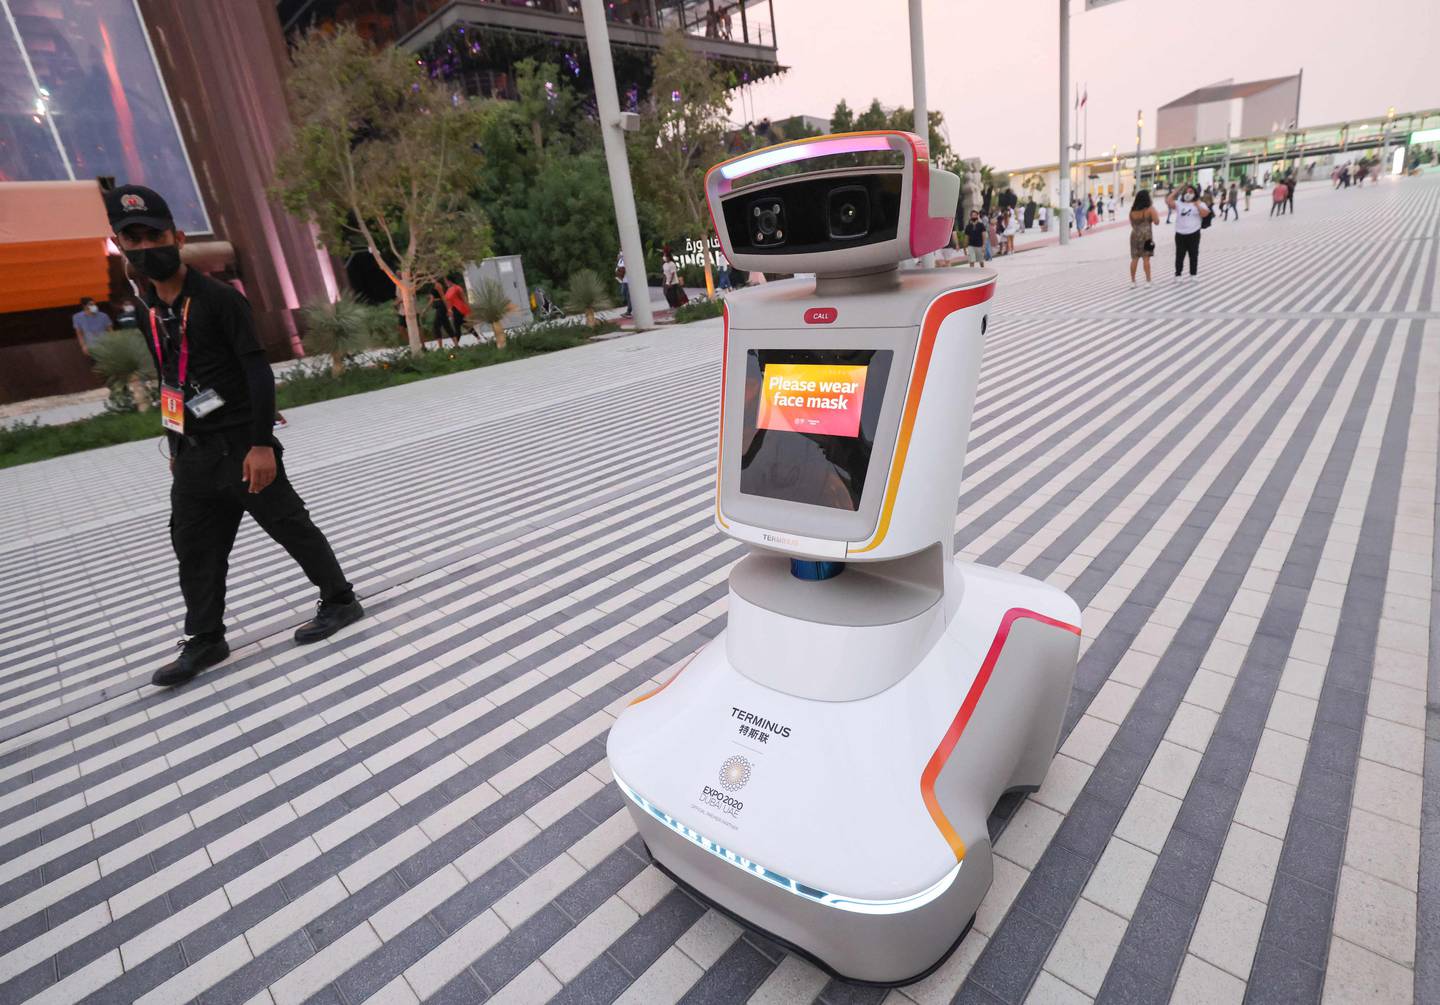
(992, 67)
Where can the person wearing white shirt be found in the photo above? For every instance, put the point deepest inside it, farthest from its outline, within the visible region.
(1190, 212)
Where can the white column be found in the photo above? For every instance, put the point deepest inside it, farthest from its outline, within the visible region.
(602, 70)
(1063, 216)
(917, 83)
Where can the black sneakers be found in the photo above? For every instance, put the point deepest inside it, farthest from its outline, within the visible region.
(330, 617)
(200, 652)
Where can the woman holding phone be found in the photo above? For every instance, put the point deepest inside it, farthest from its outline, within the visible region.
(1190, 213)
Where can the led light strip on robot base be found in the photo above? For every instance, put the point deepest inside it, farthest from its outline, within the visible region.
(851, 904)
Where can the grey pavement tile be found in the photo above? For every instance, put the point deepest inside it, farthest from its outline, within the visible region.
(1054, 885)
(840, 993)
(463, 989)
(1312, 853)
(1013, 957)
(260, 972)
(602, 981)
(598, 884)
(525, 944)
(1297, 921)
(1154, 943)
(655, 932)
(1184, 868)
(1277, 978)
(382, 966)
(1130, 984)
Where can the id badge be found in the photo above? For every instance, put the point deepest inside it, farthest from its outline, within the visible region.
(204, 403)
(172, 408)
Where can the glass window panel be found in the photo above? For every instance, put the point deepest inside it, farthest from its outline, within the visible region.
(106, 97)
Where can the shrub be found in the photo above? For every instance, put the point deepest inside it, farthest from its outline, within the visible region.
(587, 294)
(343, 328)
(122, 359)
(491, 305)
(699, 309)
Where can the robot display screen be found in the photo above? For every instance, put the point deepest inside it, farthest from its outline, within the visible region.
(810, 418)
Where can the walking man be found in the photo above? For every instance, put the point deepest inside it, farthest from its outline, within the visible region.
(217, 403)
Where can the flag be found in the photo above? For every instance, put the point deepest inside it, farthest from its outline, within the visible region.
(1085, 97)
(1077, 97)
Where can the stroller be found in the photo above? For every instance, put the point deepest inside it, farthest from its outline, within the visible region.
(545, 308)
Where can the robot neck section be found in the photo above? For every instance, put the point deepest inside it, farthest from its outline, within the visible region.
(845, 411)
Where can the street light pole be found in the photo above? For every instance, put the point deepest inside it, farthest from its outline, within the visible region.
(602, 71)
(1139, 125)
(1064, 181)
(917, 83)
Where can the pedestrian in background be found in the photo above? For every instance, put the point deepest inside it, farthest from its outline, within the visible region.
(1290, 184)
(90, 324)
(1190, 215)
(129, 316)
(1278, 197)
(440, 323)
(1143, 218)
(217, 408)
(670, 281)
(459, 306)
(975, 239)
(1012, 229)
(624, 286)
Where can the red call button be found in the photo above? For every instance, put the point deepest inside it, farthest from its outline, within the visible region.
(821, 316)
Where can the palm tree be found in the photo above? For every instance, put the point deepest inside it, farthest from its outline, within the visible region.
(122, 359)
(344, 327)
(587, 294)
(492, 306)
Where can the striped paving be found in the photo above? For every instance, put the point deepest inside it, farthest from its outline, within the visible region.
(1234, 478)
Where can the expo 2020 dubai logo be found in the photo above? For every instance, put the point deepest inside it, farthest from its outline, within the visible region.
(734, 773)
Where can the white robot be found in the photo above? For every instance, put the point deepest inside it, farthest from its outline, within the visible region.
(824, 768)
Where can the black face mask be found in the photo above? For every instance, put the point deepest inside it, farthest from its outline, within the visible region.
(156, 264)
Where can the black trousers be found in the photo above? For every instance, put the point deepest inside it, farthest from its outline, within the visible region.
(446, 322)
(1187, 244)
(207, 500)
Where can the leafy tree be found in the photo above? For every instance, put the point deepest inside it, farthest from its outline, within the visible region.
(940, 153)
(562, 219)
(382, 157)
(873, 117)
(842, 120)
(683, 132)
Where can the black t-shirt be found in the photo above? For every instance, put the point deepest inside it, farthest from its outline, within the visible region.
(221, 334)
(975, 234)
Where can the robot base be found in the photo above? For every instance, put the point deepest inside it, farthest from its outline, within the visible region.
(799, 950)
(852, 828)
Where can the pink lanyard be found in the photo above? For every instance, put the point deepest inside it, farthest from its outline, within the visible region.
(184, 344)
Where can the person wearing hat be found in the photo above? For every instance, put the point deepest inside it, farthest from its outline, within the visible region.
(217, 405)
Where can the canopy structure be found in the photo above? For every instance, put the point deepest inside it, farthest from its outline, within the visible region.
(52, 244)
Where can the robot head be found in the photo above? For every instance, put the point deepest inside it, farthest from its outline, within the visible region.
(844, 203)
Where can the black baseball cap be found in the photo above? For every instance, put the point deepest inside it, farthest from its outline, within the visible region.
(132, 204)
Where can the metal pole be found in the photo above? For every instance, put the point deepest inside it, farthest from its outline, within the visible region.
(1063, 216)
(1139, 125)
(917, 84)
(602, 71)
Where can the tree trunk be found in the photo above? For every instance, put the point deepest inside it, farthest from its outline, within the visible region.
(138, 392)
(406, 289)
(590, 317)
(337, 363)
(499, 330)
(705, 257)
